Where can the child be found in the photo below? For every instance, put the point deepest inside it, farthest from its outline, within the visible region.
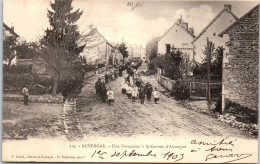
(124, 85)
(110, 96)
(129, 91)
(156, 95)
(134, 93)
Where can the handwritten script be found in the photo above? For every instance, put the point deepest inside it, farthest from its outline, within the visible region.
(221, 150)
(134, 153)
(133, 5)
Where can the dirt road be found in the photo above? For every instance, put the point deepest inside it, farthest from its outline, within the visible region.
(127, 118)
(122, 118)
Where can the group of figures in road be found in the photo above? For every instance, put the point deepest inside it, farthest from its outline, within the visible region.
(133, 87)
(139, 90)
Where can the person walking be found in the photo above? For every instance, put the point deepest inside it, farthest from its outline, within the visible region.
(134, 93)
(124, 85)
(142, 94)
(148, 91)
(110, 96)
(25, 93)
(129, 91)
(120, 71)
(128, 79)
(156, 95)
(106, 77)
(98, 86)
(103, 92)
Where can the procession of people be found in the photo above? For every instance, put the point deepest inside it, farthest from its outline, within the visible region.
(136, 90)
(132, 86)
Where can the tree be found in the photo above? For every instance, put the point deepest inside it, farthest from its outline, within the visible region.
(151, 52)
(186, 66)
(123, 50)
(26, 50)
(216, 63)
(60, 46)
(216, 67)
(170, 63)
(9, 50)
(152, 48)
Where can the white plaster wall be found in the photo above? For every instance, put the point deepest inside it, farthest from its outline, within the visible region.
(222, 22)
(178, 37)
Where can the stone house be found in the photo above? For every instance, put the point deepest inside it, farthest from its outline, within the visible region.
(179, 36)
(98, 49)
(241, 61)
(224, 19)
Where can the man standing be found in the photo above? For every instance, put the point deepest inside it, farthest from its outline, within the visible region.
(141, 93)
(148, 90)
(25, 93)
(98, 86)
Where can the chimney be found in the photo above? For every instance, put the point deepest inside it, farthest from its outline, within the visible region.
(227, 7)
(185, 25)
(12, 27)
(191, 30)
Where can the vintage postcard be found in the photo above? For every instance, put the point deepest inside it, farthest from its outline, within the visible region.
(130, 81)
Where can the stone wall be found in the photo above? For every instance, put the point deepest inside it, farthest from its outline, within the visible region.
(166, 82)
(46, 98)
(240, 73)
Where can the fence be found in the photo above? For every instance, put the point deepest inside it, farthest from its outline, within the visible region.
(199, 90)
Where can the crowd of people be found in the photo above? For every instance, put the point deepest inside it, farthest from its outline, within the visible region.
(106, 95)
(132, 86)
(138, 90)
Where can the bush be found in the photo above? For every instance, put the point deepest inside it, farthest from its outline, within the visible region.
(45, 81)
(17, 69)
(71, 84)
(180, 92)
(14, 82)
(218, 105)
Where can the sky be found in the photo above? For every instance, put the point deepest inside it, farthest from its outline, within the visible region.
(117, 19)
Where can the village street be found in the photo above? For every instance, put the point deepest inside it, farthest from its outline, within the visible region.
(127, 118)
(123, 118)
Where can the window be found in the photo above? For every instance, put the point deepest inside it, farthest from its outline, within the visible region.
(168, 48)
(214, 34)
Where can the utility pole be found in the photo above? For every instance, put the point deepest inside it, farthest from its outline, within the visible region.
(208, 72)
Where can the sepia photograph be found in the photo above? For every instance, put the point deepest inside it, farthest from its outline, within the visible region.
(130, 81)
